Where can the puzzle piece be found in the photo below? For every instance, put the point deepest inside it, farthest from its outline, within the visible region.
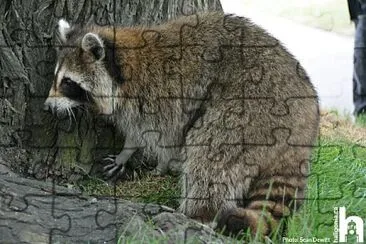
(244, 131)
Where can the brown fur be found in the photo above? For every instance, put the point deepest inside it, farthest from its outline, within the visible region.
(227, 101)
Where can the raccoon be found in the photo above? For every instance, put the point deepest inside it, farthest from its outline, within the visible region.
(212, 93)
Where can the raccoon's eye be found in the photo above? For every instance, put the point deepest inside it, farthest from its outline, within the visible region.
(66, 81)
(72, 90)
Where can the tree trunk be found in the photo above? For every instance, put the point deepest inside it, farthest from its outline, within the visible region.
(32, 143)
(41, 145)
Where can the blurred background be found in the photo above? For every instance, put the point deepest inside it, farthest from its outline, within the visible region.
(319, 33)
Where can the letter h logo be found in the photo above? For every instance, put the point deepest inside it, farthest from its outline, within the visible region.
(350, 227)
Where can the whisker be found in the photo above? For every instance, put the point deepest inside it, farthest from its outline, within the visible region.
(70, 118)
(73, 115)
(84, 109)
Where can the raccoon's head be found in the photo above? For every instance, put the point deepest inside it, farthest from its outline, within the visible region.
(82, 76)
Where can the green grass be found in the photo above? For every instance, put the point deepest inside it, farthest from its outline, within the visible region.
(361, 120)
(338, 179)
(160, 190)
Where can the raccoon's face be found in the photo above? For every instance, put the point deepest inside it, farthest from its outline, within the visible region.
(81, 77)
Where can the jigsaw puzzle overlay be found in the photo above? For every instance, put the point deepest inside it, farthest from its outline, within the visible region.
(238, 115)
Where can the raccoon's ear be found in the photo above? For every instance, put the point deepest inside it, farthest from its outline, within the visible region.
(64, 28)
(93, 43)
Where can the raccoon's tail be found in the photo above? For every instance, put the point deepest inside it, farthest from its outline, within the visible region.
(262, 212)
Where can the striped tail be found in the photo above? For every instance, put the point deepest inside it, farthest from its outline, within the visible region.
(264, 209)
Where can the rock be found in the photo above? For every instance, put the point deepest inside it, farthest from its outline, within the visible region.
(40, 212)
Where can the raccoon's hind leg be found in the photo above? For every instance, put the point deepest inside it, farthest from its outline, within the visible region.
(117, 163)
(238, 196)
(208, 186)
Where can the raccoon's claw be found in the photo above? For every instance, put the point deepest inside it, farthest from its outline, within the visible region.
(113, 168)
(115, 165)
(110, 158)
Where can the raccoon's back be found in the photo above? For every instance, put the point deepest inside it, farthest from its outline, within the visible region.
(227, 59)
(214, 48)
(208, 48)
(252, 87)
(236, 53)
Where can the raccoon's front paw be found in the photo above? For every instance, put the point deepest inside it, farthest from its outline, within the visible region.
(113, 168)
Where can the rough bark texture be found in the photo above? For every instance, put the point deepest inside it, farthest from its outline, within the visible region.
(32, 143)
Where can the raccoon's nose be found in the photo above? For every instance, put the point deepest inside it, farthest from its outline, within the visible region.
(46, 107)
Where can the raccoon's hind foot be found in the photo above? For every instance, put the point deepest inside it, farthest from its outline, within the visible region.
(156, 172)
(260, 222)
(163, 169)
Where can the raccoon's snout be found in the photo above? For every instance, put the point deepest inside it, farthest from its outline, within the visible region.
(46, 107)
(59, 105)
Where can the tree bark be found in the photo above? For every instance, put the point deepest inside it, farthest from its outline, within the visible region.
(42, 146)
(32, 143)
